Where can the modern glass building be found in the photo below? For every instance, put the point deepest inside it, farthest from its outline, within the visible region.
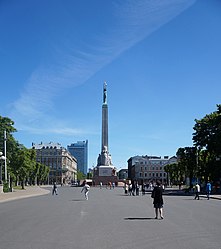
(80, 151)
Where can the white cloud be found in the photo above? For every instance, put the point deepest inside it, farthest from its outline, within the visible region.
(134, 21)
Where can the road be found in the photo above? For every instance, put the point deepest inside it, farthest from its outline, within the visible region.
(108, 220)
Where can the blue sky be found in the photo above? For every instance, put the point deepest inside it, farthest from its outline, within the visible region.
(160, 58)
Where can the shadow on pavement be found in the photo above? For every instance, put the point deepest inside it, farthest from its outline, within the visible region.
(78, 200)
(139, 218)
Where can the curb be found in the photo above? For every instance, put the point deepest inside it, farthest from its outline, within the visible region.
(21, 194)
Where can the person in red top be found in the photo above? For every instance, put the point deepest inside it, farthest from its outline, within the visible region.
(157, 195)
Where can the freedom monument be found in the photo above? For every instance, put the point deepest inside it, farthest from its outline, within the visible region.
(104, 172)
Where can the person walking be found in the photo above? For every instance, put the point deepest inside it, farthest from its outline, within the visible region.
(54, 189)
(197, 191)
(86, 189)
(137, 189)
(157, 195)
(208, 189)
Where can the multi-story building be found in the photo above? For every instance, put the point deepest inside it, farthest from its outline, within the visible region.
(146, 169)
(80, 151)
(123, 174)
(63, 166)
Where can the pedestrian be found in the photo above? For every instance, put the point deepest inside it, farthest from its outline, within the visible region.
(137, 189)
(130, 189)
(126, 189)
(101, 185)
(208, 189)
(54, 189)
(86, 189)
(197, 191)
(143, 189)
(113, 185)
(157, 195)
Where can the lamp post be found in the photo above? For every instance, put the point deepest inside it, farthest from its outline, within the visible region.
(6, 178)
(1, 158)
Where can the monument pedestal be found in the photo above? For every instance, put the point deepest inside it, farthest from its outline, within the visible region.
(105, 174)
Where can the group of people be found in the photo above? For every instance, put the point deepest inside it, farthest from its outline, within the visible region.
(157, 195)
(208, 190)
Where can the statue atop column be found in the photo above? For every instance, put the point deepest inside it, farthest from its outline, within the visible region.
(105, 171)
(105, 93)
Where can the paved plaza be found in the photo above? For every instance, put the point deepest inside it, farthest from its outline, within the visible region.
(108, 220)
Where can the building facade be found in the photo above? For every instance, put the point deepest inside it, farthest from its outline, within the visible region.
(145, 169)
(80, 151)
(123, 174)
(63, 166)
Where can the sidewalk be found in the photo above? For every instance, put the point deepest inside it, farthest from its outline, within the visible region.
(29, 191)
(218, 197)
(176, 191)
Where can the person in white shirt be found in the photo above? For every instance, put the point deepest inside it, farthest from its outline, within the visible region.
(86, 189)
(197, 191)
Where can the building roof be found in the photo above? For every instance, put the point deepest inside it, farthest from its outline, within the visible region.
(49, 145)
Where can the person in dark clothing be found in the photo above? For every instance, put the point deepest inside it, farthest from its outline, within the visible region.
(54, 189)
(157, 195)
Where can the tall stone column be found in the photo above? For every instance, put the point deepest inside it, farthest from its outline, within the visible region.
(104, 172)
(104, 158)
(104, 142)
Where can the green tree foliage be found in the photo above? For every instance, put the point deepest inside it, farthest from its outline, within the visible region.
(207, 137)
(21, 162)
(80, 175)
(173, 171)
(42, 173)
(187, 160)
(208, 132)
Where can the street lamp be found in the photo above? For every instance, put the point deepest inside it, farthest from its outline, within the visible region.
(6, 178)
(1, 158)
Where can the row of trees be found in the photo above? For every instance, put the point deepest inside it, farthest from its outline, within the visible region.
(21, 162)
(202, 160)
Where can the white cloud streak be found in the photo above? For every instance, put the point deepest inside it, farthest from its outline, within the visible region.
(134, 21)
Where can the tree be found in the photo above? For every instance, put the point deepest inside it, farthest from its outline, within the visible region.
(6, 128)
(207, 137)
(21, 162)
(208, 132)
(187, 160)
(42, 173)
(25, 165)
(173, 171)
(80, 175)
